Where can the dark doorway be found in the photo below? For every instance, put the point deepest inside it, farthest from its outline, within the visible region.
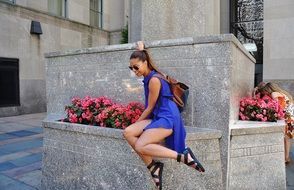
(9, 82)
(246, 23)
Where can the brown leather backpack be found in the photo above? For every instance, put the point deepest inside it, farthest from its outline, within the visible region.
(179, 90)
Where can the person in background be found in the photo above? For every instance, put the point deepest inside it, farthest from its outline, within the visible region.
(286, 102)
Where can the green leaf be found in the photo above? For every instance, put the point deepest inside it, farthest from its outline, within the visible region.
(124, 35)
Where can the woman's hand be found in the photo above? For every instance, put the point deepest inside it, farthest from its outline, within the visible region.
(254, 92)
(140, 45)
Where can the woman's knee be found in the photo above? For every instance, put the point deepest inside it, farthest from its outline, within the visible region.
(135, 129)
(128, 132)
(139, 147)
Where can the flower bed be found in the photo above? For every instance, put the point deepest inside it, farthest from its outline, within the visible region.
(260, 109)
(102, 111)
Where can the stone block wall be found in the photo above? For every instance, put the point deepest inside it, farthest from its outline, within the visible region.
(157, 20)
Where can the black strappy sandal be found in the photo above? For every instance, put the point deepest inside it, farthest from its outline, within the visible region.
(187, 151)
(159, 176)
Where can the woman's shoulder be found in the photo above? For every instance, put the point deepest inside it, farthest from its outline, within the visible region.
(154, 81)
(277, 95)
(161, 79)
(157, 76)
(280, 95)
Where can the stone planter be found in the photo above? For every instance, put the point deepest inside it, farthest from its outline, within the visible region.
(257, 156)
(219, 72)
(212, 66)
(89, 157)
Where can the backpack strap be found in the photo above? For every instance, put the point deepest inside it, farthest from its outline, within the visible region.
(161, 76)
(173, 83)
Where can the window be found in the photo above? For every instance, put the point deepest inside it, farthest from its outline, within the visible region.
(9, 1)
(58, 7)
(247, 25)
(96, 13)
(9, 82)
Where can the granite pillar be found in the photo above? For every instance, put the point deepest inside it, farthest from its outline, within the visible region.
(157, 19)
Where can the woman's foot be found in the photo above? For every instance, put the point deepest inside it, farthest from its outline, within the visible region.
(287, 161)
(156, 172)
(189, 159)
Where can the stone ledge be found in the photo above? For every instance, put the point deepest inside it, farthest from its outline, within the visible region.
(255, 127)
(158, 43)
(193, 133)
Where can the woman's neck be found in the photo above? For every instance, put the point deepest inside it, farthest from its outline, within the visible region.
(147, 72)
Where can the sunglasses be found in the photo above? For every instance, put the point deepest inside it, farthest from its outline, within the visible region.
(135, 67)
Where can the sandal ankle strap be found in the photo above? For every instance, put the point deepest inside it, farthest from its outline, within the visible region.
(186, 157)
(179, 157)
(151, 164)
(154, 170)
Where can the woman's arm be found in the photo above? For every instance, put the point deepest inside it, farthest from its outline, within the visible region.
(276, 95)
(154, 89)
(254, 92)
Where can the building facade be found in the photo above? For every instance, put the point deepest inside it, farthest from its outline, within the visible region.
(75, 24)
(279, 43)
(64, 24)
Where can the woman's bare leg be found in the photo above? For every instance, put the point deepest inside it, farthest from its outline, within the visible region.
(287, 148)
(132, 133)
(147, 144)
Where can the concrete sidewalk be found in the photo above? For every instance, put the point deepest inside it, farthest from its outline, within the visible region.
(21, 141)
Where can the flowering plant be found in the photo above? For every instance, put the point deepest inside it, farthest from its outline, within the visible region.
(103, 112)
(260, 109)
(119, 116)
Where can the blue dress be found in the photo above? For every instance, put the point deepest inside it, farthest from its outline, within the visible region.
(166, 115)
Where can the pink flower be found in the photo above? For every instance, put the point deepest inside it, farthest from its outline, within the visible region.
(117, 124)
(263, 104)
(242, 103)
(73, 118)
